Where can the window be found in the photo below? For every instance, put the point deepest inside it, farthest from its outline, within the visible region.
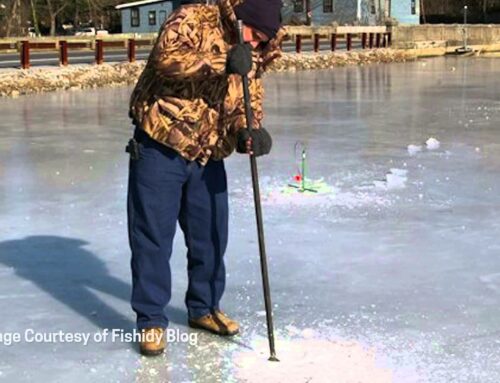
(163, 16)
(413, 7)
(152, 17)
(327, 6)
(298, 6)
(135, 19)
(373, 7)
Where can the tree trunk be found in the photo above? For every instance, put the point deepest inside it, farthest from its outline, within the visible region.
(92, 13)
(52, 24)
(53, 12)
(11, 18)
(76, 17)
(35, 18)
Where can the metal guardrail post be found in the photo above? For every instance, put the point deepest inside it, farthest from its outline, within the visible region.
(349, 41)
(333, 42)
(364, 37)
(131, 50)
(99, 52)
(316, 42)
(298, 43)
(63, 53)
(25, 54)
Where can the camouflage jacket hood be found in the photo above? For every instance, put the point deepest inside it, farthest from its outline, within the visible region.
(184, 99)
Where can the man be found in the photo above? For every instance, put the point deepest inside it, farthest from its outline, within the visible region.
(189, 115)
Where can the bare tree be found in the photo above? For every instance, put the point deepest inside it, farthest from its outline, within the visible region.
(14, 16)
(35, 17)
(55, 7)
(91, 12)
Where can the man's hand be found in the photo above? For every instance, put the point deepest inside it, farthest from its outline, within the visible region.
(239, 59)
(258, 142)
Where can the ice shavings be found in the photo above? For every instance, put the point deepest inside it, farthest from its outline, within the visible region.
(311, 359)
(272, 194)
(395, 179)
(338, 198)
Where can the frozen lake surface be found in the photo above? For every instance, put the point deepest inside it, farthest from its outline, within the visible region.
(395, 276)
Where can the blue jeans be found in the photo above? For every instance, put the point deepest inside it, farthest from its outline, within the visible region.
(165, 188)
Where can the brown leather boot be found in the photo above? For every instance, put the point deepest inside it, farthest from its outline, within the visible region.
(152, 341)
(217, 323)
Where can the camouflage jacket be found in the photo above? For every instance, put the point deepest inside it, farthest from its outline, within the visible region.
(184, 99)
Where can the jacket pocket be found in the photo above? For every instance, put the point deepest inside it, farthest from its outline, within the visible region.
(190, 122)
(178, 109)
(180, 119)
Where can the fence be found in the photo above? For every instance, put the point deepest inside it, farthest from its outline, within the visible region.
(368, 37)
(368, 40)
(64, 47)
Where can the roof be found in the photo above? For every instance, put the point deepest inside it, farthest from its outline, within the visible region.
(139, 3)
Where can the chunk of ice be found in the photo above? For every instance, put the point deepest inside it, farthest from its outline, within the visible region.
(432, 144)
(395, 179)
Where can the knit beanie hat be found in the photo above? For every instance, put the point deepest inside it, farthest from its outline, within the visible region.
(264, 15)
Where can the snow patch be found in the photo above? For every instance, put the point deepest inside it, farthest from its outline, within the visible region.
(414, 149)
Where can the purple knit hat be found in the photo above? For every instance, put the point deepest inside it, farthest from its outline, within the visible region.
(264, 15)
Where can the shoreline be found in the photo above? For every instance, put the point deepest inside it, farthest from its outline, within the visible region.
(17, 82)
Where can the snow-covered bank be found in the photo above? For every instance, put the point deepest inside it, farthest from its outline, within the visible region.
(310, 61)
(74, 77)
(37, 80)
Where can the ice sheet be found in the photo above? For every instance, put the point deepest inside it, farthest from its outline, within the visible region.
(411, 273)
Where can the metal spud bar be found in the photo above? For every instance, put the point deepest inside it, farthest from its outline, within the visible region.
(258, 213)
